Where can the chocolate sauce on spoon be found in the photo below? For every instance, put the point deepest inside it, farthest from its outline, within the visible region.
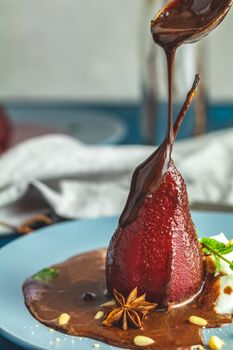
(187, 21)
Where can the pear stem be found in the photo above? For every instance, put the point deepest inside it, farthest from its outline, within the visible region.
(186, 105)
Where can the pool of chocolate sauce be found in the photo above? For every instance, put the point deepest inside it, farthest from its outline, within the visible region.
(85, 273)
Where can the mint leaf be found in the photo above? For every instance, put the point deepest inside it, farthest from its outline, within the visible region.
(46, 274)
(231, 265)
(218, 249)
(228, 249)
(213, 244)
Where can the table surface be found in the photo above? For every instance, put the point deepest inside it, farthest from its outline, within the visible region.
(221, 117)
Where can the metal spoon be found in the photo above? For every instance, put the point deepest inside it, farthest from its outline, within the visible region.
(186, 21)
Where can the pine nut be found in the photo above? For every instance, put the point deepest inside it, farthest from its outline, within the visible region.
(109, 303)
(215, 343)
(63, 319)
(198, 321)
(141, 340)
(99, 315)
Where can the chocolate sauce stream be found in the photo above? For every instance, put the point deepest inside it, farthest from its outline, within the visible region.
(170, 54)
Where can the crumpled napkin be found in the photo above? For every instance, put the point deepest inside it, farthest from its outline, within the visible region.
(80, 181)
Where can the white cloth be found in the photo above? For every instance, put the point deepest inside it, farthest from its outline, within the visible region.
(81, 181)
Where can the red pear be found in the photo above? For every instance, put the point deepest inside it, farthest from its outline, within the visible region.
(159, 251)
(155, 246)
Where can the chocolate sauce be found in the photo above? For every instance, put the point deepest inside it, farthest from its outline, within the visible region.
(181, 21)
(85, 273)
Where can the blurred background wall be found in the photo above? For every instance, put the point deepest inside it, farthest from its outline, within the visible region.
(88, 50)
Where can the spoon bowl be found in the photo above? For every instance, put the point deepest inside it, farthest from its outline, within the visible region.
(187, 21)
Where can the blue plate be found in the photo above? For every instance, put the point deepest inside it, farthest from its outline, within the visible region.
(106, 128)
(27, 255)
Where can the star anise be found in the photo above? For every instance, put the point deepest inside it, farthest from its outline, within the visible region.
(130, 311)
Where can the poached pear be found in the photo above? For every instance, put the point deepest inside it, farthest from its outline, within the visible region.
(155, 247)
(158, 251)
